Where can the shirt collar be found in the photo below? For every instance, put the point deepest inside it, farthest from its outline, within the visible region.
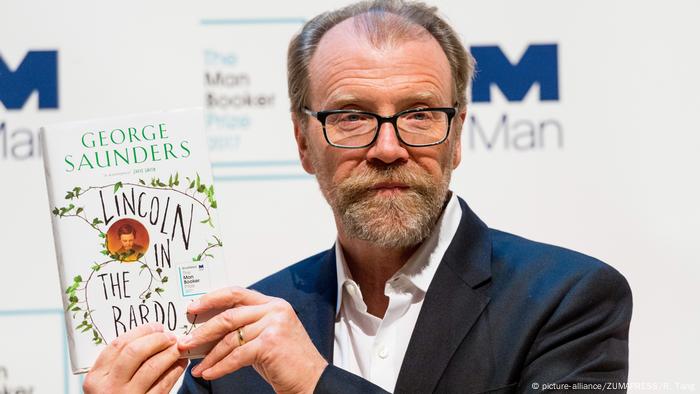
(342, 273)
(421, 266)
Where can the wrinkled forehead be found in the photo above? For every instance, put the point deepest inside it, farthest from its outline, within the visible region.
(375, 42)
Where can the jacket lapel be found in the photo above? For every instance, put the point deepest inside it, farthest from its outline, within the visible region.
(451, 307)
(315, 301)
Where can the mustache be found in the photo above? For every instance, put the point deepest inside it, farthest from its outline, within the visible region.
(360, 184)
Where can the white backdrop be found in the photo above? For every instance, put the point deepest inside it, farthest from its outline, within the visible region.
(609, 167)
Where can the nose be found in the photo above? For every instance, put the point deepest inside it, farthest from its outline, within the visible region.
(387, 148)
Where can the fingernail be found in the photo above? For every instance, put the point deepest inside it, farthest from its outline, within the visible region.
(196, 371)
(194, 304)
(171, 336)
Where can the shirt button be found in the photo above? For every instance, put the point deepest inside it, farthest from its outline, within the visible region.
(383, 352)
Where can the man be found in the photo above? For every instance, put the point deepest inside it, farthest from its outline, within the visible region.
(129, 250)
(417, 295)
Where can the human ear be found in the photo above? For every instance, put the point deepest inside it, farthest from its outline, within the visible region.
(457, 148)
(303, 145)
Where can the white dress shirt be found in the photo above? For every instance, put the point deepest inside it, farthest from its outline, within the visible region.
(374, 348)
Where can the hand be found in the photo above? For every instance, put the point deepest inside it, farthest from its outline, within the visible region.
(143, 360)
(275, 342)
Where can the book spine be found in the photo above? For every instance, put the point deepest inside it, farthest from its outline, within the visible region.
(75, 363)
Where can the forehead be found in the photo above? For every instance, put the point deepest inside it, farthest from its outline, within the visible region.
(348, 67)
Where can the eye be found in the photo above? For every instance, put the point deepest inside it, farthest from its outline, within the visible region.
(348, 119)
(351, 118)
(419, 116)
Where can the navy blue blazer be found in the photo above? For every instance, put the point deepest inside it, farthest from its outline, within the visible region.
(502, 314)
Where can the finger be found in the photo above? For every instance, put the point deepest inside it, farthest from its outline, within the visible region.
(166, 382)
(224, 347)
(241, 356)
(137, 351)
(115, 347)
(220, 325)
(225, 298)
(154, 367)
(219, 351)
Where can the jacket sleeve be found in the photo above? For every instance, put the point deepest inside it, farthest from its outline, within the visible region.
(192, 385)
(333, 380)
(585, 340)
(336, 380)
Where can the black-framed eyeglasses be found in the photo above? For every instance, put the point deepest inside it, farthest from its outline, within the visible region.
(359, 129)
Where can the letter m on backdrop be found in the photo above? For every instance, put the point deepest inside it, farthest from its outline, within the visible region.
(539, 64)
(38, 72)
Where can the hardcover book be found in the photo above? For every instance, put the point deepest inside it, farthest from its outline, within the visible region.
(134, 221)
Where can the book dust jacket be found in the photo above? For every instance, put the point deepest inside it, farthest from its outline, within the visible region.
(133, 209)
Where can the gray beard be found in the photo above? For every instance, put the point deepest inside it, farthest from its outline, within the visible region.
(398, 221)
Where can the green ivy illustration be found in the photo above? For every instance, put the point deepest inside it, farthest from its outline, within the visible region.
(76, 292)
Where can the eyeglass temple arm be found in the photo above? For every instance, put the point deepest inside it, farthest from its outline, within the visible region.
(310, 112)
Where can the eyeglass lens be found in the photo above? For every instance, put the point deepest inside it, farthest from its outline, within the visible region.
(415, 128)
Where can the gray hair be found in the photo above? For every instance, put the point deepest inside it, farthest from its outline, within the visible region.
(381, 22)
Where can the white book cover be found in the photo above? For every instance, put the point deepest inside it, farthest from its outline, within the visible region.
(134, 220)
